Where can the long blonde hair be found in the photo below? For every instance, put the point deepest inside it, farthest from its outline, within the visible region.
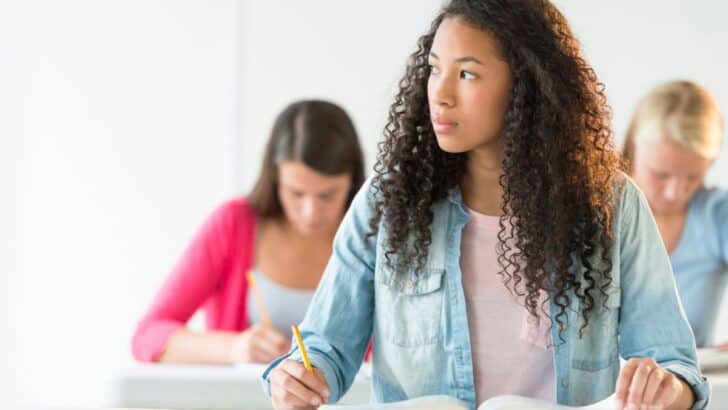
(680, 110)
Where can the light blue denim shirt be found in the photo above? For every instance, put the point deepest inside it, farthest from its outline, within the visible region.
(419, 324)
(700, 261)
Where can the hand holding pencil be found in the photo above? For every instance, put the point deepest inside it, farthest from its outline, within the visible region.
(258, 344)
(261, 342)
(298, 385)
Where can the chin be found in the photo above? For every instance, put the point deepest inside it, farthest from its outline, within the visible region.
(669, 208)
(452, 145)
(310, 230)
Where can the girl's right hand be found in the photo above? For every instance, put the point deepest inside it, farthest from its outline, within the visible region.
(293, 387)
(258, 344)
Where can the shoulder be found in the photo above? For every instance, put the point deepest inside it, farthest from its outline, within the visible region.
(632, 214)
(237, 208)
(709, 216)
(711, 203)
(628, 197)
(230, 215)
(364, 200)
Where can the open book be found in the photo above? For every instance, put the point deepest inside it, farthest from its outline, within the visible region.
(494, 403)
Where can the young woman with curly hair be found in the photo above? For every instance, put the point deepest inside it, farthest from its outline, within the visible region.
(498, 249)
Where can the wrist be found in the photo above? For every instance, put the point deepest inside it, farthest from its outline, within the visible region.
(686, 399)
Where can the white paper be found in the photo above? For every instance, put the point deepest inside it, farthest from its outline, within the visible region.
(495, 403)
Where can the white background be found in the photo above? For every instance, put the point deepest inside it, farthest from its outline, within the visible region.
(123, 123)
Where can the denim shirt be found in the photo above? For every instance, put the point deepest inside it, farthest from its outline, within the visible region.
(419, 326)
(700, 261)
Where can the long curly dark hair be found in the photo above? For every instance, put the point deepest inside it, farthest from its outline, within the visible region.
(560, 168)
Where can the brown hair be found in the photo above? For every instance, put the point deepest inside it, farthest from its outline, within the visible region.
(319, 134)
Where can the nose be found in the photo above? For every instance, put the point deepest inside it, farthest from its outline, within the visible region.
(674, 189)
(309, 210)
(441, 91)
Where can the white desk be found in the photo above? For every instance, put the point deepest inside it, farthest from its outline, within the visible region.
(719, 393)
(239, 387)
(202, 387)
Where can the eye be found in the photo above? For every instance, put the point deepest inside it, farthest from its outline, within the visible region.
(467, 75)
(326, 197)
(297, 194)
(660, 175)
(433, 70)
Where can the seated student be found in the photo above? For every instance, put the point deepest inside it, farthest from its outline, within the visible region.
(281, 233)
(498, 249)
(674, 137)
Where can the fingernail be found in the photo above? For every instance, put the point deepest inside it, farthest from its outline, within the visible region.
(632, 406)
(315, 401)
(326, 393)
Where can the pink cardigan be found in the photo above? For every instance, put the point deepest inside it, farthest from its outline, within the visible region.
(211, 274)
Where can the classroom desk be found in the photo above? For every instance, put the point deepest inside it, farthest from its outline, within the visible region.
(239, 387)
(203, 387)
(719, 392)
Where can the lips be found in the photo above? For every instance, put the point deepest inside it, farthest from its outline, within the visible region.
(443, 125)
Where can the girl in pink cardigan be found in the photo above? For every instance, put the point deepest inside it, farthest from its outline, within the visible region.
(282, 233)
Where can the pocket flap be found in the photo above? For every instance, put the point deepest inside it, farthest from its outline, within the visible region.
(424, 282)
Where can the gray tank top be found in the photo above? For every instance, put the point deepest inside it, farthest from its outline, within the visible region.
(285, 306)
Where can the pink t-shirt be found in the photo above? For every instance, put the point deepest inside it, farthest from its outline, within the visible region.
(511, 349)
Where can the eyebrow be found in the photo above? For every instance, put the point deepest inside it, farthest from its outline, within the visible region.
(466, 59)
(328, 191)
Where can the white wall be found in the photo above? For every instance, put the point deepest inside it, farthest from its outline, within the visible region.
(118, 122)
(123, 122)
(350, 52)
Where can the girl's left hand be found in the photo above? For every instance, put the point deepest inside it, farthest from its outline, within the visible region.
(643, 384)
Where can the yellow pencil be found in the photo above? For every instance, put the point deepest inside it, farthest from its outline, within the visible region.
(302, 348)
(259, 300)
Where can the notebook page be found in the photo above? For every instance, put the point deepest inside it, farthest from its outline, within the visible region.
(419, 403)
(524, 403)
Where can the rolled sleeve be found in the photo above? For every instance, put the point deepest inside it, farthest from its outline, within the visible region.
(699, 384)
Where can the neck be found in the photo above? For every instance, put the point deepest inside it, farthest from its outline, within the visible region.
(670, 214)
(480, 186)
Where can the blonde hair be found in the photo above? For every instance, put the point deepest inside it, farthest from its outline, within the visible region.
(680, 110)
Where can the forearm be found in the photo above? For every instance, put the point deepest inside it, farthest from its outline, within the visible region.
(196, 347)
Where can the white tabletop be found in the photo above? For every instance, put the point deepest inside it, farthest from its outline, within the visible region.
(192, 387)
(239, 387)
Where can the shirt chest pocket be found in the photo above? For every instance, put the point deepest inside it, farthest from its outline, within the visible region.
(599, 348)
(409, 306)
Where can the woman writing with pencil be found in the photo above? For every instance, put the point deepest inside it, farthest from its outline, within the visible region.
(256, 261)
